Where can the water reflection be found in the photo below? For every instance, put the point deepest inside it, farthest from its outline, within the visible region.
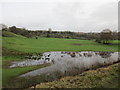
(55, 57)
(105, 54)
(67, 62)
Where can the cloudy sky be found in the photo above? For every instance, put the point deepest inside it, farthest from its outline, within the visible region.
(68, 15)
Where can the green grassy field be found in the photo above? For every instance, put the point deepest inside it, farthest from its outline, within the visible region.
(32, 45)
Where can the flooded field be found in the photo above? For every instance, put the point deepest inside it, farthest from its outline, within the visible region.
(68, 61)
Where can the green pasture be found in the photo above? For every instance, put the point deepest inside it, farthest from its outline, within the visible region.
(32, 45)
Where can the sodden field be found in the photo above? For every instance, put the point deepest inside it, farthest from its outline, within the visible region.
(40, 45)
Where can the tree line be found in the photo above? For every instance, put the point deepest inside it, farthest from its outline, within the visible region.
(102, 37)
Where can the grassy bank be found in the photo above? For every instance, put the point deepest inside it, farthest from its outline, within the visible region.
(32, 45)
(105, 77)
(11, 73)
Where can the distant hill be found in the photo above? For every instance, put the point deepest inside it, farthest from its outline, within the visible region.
(53, 34)
(10, 34)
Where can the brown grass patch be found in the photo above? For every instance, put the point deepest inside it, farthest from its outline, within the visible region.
(77, 44)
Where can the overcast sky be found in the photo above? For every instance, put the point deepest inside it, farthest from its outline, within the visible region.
(68, 15)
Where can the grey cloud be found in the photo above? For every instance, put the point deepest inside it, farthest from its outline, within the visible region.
(74, 16)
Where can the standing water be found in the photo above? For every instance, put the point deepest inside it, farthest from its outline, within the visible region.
(68, 61)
